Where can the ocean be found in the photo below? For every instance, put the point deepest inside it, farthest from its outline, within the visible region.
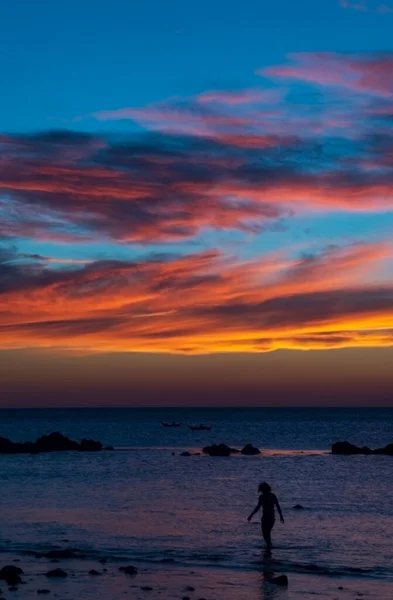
(146, 504)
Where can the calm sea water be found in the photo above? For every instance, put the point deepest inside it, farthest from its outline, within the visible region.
(147, 504)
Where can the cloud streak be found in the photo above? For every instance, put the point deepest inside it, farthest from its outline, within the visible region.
(200, 303)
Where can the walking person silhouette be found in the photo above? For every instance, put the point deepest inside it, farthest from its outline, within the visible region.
(267, 501)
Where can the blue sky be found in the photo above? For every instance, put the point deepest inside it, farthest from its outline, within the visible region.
(62, 60)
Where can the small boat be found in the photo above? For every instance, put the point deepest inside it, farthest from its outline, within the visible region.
(173, 424)
(199, 427)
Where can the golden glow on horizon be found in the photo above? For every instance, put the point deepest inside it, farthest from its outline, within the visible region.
(208, 303)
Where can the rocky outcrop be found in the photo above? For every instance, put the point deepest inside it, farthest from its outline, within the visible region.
(250, 450)
(387, 450)
(219, 450)
(348, 449)
(11, 574)
(54, 442)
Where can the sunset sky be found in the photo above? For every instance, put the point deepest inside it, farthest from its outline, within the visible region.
(196, 202)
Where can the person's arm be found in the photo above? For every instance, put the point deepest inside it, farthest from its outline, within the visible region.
(279, 509)
(258, 506)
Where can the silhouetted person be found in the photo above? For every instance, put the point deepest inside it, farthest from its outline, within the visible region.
(267, 501)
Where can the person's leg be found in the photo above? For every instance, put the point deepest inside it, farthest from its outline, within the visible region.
(267, 526)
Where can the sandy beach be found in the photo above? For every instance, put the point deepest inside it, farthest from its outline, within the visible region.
(173, 582)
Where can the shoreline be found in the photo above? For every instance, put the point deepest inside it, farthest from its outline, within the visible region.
(166, 580)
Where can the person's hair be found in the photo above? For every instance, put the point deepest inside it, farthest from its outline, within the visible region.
(264, 488)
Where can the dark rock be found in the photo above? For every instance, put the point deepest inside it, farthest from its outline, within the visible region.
(90, 446)
(43, 591)
(146, 588)
(279, 580)
(189, 588)
(219, 450)
(130, 570)
(94, 572)
(387, 450)
(11, 574)
(298, 507)
(185, 454)
(103, 561)
(55, 442)
(250, 450)
(108, 448)
(186, 598)
(347, 449)
(57, 573)
(65, 541)
(13, 588)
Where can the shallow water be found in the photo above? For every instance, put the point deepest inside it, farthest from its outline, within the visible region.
(148, 505)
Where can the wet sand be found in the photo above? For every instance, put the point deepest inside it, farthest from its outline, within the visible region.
(173, 582)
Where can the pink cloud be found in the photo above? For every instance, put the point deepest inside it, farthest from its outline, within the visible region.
(369, 74)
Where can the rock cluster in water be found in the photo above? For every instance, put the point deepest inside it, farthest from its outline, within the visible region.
(54, 442)
(346, 448)
(224, 450)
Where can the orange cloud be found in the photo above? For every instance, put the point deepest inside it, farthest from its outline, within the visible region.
(202, 303)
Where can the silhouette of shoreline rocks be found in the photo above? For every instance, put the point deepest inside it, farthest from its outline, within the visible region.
(224, 450)
(348, 449)
(54, 442)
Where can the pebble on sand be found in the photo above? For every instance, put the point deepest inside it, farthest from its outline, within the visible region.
(57, 573)
(130, 570)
